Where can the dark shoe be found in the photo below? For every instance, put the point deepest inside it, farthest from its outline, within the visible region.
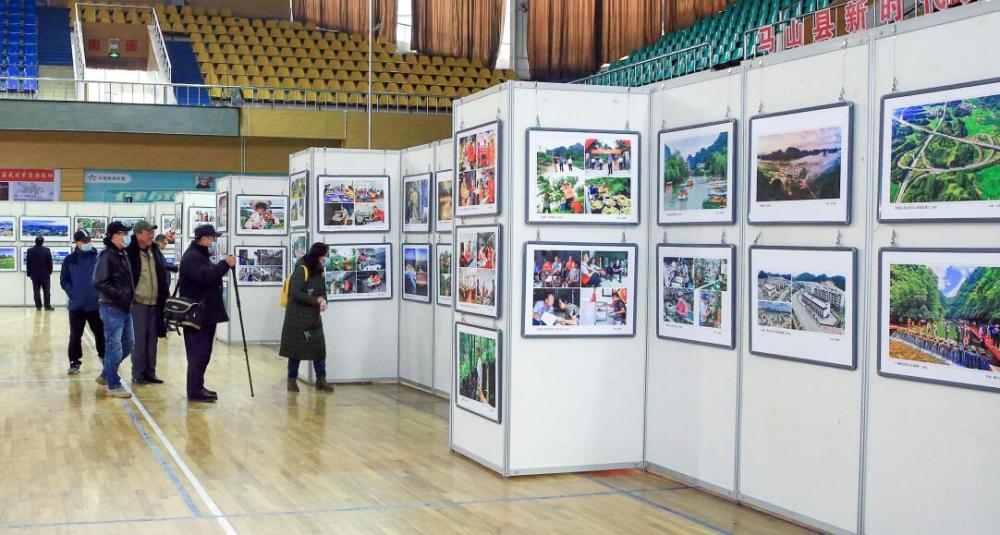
(154, 380)
(74, 368)
(212, 393)
(202, 399)
(38, 308)
(323, 386)
(139, 381)
(50, 309)
(293, 385)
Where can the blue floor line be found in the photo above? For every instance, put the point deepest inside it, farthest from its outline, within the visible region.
(659, 506)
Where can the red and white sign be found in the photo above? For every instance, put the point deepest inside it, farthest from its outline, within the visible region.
(29, 184)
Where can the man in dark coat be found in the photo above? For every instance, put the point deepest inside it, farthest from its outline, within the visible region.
(38, 264)
(149, 274)
(113, 282)
(77, 280)
(201, 280)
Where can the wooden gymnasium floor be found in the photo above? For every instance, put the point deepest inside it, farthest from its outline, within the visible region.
(367, 459)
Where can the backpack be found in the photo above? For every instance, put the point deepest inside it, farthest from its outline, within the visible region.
(287, 284)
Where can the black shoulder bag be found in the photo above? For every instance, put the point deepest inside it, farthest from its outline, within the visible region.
(180, 312)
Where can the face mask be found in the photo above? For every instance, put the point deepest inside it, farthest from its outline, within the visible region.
(87, 247)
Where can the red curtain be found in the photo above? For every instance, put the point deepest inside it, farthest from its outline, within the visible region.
(459, 28)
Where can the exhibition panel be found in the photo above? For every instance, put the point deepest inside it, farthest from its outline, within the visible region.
(444, 206)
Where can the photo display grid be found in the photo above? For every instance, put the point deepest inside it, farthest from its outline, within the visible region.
(695, 293)
(478, 370)
(583, 177)
(8, 258)
(444, 191)
(417, 272)
(168, 227)
(94, 226)
(479, 256)
(359, 271)
(8, 228)
(353, 203)
(222, 211)
(800, 166)
(298, 200)
(444, 269)
(939, 154)
(576, 289)
(262, 215)
(298, 244)
(697, 170)
(417, 203)
(938, 316)
(53, 229)
(198, 216)
(260, 265)
(59, 254)
(476, 151)
(802, 304)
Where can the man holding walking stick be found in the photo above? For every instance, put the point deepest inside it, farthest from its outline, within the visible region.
(201, 280)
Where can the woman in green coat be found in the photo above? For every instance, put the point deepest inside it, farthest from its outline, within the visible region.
(302, 334)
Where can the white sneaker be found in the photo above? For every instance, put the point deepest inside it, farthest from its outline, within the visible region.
(119, 393)
(101, 380)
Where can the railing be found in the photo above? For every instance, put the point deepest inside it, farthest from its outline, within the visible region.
(155, 34)
(658, 68)
(77, 90)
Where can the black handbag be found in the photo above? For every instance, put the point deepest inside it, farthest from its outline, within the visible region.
(181, 312)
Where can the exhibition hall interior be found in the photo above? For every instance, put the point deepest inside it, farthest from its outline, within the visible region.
(499, 266)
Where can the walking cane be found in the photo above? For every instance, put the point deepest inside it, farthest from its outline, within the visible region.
(239, 311)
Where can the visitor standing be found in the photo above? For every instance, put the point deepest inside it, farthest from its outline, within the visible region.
(114, 284)
(38, 265)
(77, 280)
(302, 333)
(201, 280)
(149, 274)
(161, 243)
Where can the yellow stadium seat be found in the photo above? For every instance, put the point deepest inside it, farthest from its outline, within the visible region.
(399, 78)
(198, 10)
(312, 73)
(450, 91)
(232, 59)
(253, 70)
(186, 10)
(301, 53)
(273, 82)
(295, 42)
(267, 70)
(226, 12)
(287, 52)
(228, 49)
(177, 27)
(291, 63)
(464, 92)
(223, 39)
(276, 61)
(483, 83)
(320, 63)
(334, 85)
(358, 56)
(305, 63)
(203, 57)
(404, 68)
(329, 55)
(210, 38)
(288, 83)
(318, 84)
(237, 70)
(298, 72)
(427, 79)
(362, 86)
(462, 62)
(242, 81)
(211, 79)
(450, 61)
(252, 40)
(206, 68)
(279, 95)
(316, 35)
(446, 71)
(341, 75)
(258, 81)
(257, 23)
(287, 33)
(413, 79)
(402, 101)
(343, 36)
(384, 77)
(386, 100)
(437, 60)
(214, 48)
(436, 90)
(302, 83)
(283, 72)
(218, 58)
(296, 96)
(296, 25)
(309, 25)
(326, 74)
(270, 23)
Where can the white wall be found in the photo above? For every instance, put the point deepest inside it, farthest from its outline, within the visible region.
(444, 159)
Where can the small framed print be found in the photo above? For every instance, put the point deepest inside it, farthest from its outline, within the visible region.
(261, 215)
(222, 211)
(696, 294)
(359, 271)
(258, 265)
(478, 370)
(8, 258)
(94, 226)
(416, 277)
(417, 203)
(52, 228)
(298, 200)
(696, 179)
(198, 216)
(478, 284)
(298, 245)
(443, 252)
(8, 228)
(478, 170)
(353, 203)
(444, 193)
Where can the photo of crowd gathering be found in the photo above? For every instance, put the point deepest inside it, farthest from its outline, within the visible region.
(477, 170)
(357, 272)
(477, 269)
(353, 202)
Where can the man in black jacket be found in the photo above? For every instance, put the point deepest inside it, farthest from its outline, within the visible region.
(116, 288)
(201, 280)
(149, 274)
(38, 264)
(77, 279)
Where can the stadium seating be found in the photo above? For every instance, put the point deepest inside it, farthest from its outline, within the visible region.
(18, 46)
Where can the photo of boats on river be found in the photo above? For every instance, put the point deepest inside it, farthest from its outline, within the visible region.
(696, 174)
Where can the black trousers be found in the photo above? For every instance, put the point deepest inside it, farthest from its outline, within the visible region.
(146, 325)
(38, 286)
(198, 344)
(78, 320)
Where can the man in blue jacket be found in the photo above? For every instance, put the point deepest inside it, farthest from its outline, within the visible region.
(77, 280)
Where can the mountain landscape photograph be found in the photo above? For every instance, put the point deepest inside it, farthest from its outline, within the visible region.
(799, 165)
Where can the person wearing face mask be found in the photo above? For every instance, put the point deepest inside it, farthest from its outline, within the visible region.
(116, 288)
(76, 280)
(302, 333)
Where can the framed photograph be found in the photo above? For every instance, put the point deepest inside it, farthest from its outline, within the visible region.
(198, 216)
(938, 152)
(696, 294)
(59, 254)
(298, 244)
(298, 200)
(800, 166)
(697, 174)
(417, 203)
(222, 211)
(53, 229)
(583, 177)
(353, 203)
(417, 272)
(479, 261)
(179, 220)
(577, 289)
(359, 271)
(168, 227)
(444, 259)
(8, 228)
(220, 250)
(8, 258)
(478, 167)
(258, 265)
(262, 215)
(803, 304)
(478, 370)
(444, 190)
(94, 226)
(938, 318)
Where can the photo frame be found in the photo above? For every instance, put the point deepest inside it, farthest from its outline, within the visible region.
(954, 178)
(219, 249)
(444, 254)
(696, 293)
(8, 258)
(353, 203)
(359, 271)
(444, 195)
(260, 265)
(935, 321)
(261, 215)
(803, 304)
(696, 174)
(416, 204)
(298, 200)
(583, 176)
(198, 216)
(416, 272)
(59, 254)
(479, 260)
(95, 226)
(168, 227)
(800, 164)
(478, 375)
(298, 246)
(54, 229)
(222, 212)
(179, 219)
(478, 170)
(571, 291)
(8, 228)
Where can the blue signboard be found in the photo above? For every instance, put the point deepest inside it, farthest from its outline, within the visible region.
(108, 185)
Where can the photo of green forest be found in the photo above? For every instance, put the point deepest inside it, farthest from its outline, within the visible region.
(477, 372)
(696, 169)
(945, 151)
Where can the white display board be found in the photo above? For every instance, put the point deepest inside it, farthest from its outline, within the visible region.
(443, 335)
